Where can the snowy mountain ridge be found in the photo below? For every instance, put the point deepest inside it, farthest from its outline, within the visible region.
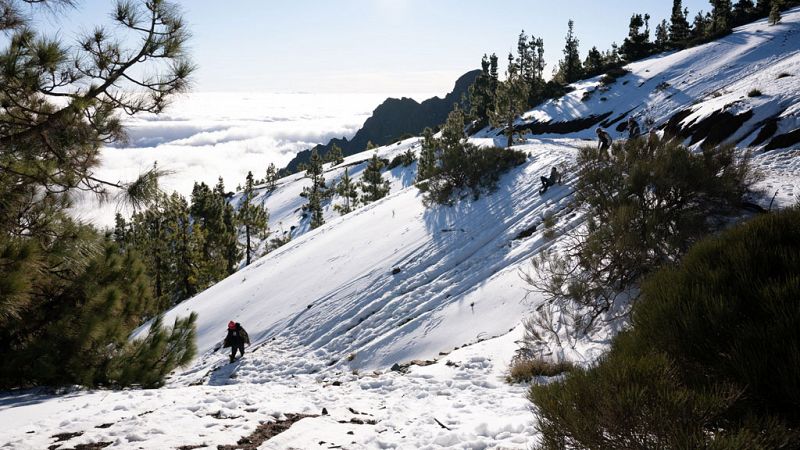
(333, 310)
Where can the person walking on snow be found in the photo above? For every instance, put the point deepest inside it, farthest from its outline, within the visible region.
(236, 339)
(603, 139)
(633, 128)
(555, 178)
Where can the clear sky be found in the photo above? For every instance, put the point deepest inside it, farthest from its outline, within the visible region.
(377, 46)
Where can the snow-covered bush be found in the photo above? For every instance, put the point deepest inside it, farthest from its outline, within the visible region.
(712, 360)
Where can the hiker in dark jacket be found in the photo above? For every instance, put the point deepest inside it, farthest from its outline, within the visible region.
(603, 139)
(236, 339)
(633, 128)
(555, 178)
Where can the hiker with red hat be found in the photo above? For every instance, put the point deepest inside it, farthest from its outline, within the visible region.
(236, 339)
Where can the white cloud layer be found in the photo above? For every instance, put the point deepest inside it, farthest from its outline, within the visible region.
(207, 135)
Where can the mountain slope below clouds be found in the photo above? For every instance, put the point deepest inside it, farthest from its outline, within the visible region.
(394, 118)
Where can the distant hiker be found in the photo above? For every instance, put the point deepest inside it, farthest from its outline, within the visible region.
(555, 178)
(603, 139)
(236, 339)
(633, 128)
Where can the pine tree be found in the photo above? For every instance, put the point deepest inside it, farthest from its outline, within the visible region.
(346, 189)
(69, 299)
(370, 146)
(317, 191)
(229, 240)
(662, 36)
(637, 45)
(700, 27)
(720, 17)
(254, 218)
(207, 212)
(481, 94)
(743, 12)
(271, 179)
(148, 237)
(372, 185)
(512, 99)
(570, 69)
(775, 12)
(426, 167)
(594, 64)
(187, 242)
(335, 156)
(679, 26)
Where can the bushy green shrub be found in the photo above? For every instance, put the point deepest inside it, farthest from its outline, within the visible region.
(754, 93)
(147, 362)
(450, 164)
(471, 167)
(645, 205)
(612, 75)
(712, 359)
(76, 330)
(404, 159)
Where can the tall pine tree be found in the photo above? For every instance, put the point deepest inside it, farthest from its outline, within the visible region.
(721, 22)
(570, 68)
(69, 299)
(373, 186)
(253, 217)
(512, 100)
(637, 45)
(678, 25)
(271, 178)
(317, 192)
(426, 167)
(346, 189)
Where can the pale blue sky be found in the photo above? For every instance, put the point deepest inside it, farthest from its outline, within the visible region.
(377, 46)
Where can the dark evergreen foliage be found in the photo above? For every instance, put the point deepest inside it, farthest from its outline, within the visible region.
(637, 45)
(645, 205)
(318, 191)
(511, 100)
(254, 218)
(679, 25)
(570, 68)
(346, 189)
(373, 186)
(69, 299)
(482, 92)
(451, 164)
(712, 360)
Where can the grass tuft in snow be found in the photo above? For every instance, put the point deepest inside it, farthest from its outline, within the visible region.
(525, 370)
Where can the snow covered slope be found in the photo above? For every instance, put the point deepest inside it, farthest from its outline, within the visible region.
(707, 93)
(390, 282)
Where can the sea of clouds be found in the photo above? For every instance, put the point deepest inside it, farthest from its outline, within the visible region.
(203, 136)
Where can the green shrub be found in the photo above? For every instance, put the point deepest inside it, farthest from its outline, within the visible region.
(754, 93)
(470, 167)
(712, 359)
(450, 164)
(404, 159)
(612, 75)
(525, 370)
(645, 205)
